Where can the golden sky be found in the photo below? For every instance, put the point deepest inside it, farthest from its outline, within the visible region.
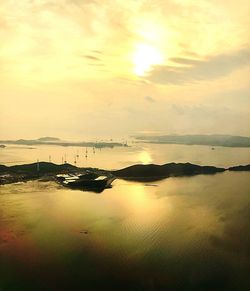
(73, 68)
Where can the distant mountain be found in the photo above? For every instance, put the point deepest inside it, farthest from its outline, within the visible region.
(48, 138)
(156, 172)
(58, 142)
(211, 140)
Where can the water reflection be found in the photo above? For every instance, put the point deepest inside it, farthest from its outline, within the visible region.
(183, 234)
(120, 157)
(144, 157)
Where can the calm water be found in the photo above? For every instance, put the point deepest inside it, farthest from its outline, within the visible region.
(120, 157)
(177, 234)
(183, 234)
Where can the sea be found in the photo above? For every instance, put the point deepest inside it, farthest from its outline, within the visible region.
(180, 233)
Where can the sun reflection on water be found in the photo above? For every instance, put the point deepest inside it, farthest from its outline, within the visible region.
(145, 157)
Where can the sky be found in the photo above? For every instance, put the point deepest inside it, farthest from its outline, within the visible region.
(112, 68)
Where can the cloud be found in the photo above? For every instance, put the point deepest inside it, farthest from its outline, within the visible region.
(97, 52)
(184, 61)
(149, 99)
(93, 58)
(199, 70)
(96, 65)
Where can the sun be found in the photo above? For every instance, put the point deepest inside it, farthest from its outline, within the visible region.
(145, 57)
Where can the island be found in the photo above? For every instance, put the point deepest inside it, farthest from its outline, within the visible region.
(58, 142)
(157, 172)
(26, 172)
(209, 140)
(240, 168)
(48, 171)
(49, 138)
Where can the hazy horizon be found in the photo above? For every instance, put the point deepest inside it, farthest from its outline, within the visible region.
(116, 138)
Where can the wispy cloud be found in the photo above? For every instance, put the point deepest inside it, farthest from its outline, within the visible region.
(97, 65)
(149, 99)
(93, 58)
(198, 70)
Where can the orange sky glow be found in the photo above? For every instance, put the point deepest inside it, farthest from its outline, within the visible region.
(72, 68)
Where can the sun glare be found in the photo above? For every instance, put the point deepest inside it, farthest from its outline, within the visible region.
(145, 57)
(145, 158)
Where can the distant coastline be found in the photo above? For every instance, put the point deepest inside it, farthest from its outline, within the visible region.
(208, 140)
(58, 142)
